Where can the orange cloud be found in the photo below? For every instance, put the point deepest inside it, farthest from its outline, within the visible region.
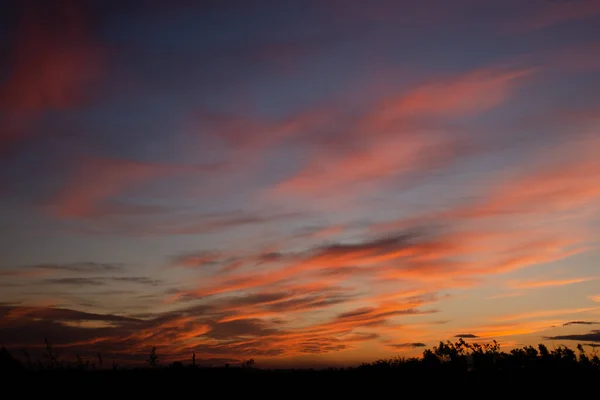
(511, 329)
(549, 283)
(595, 298)
(543, 313)
(205, 329)
(438, 260)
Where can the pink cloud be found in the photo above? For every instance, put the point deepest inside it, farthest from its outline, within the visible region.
(389, 141)
(555, 13)
(96, 180)
(466, 94)
(52, 65)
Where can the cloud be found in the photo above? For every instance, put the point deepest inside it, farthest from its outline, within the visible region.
(47, 269)
(142, 280)
(75, 281)
(178, 221)
(229, 220)
(580, 323)
(556, 180)
(453, 248)
(418, 255)
(198, 260)
(392, 140)
(469, 93)
(466, 336)
(549, 283)
(222, 262)
(595, 298)
(402, 346)
(318, 260)
(58, 314)
(53, 63)
(555, 13)
(100, 281)
(97, 180)
(234, 326)
(81, 267)
(543, 313)
(512, 328)
(593, 336)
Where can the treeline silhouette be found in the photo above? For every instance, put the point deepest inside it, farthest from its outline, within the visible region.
(449, 368)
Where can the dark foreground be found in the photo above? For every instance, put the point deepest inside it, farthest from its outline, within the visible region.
(449, 370)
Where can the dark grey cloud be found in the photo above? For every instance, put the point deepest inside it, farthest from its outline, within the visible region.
(61, 314)
(142, 280)
(75, 281)
(82, 267)
(580, 323)
(361, 337)
(99, 281)
(593, 336)
(407, 345)
(255, 299)
(356, 313)
(466, 336)
(307, 303)
(382, 245)
(270, 257)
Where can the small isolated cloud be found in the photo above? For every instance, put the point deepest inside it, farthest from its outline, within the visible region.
(406, 345)
(580, 323)
(595, 298)
(466, 336)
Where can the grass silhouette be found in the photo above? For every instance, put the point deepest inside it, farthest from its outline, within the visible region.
(449, 367)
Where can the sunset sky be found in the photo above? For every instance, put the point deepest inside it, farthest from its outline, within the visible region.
(305, 183)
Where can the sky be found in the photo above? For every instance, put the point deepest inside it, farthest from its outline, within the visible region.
(304, 183)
